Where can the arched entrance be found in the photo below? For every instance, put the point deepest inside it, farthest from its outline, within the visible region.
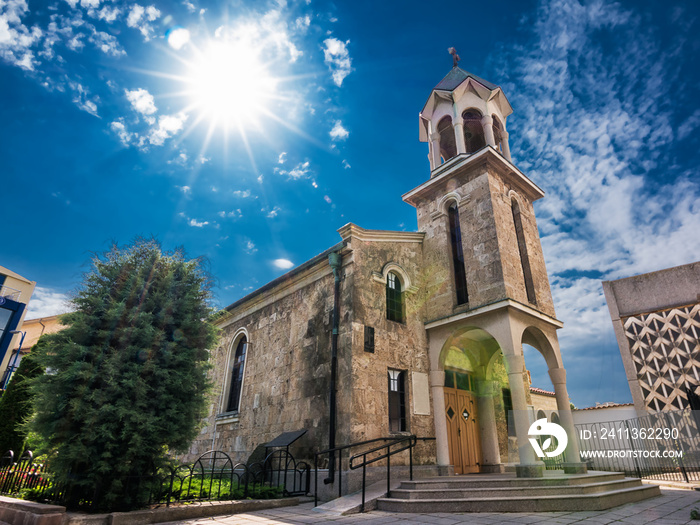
(468, 400)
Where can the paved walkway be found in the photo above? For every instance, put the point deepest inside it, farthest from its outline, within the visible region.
(671, 508)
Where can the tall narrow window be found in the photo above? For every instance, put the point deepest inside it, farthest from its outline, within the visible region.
(234, 393)
(448, 145)
(394, 298)
(397, 401)
(473, 131)
(508, 409)
(522, 248)
(457, 255)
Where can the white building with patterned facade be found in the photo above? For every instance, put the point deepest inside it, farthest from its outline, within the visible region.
(656, 317)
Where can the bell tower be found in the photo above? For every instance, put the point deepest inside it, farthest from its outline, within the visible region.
(486, 282)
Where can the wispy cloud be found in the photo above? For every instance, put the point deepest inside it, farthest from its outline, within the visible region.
(249, 247)
(273, 212)
(339, 132)
(46, 302)
(337, 58)
(594, 129)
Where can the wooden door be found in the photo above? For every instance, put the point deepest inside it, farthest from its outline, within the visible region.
(462, 430)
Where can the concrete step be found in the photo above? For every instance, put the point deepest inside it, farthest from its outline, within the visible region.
(506, 480)
(508, 491)
(522, 503)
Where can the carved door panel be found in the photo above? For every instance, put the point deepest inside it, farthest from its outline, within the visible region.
(462, 430)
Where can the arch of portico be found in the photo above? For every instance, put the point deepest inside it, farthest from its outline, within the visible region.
(483, 336)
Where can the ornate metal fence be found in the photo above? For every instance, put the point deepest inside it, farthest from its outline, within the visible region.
(662, 446)
(213, 476)
(16, 476)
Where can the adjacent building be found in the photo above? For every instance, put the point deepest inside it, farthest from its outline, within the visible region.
(656, 317)
(15, 293)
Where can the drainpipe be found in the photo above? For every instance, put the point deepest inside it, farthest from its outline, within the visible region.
(335, 261)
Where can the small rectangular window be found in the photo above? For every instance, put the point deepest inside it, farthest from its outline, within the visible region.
(369, 339)
(508, 408)
(449, 379)
(397, 401)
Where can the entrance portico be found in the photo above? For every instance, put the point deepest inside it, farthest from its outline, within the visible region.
(484, 335)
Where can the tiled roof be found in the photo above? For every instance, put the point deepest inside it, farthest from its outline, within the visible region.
(456, 76)
(609, 404)
(536, 390)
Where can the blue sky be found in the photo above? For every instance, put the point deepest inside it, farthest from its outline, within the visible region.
(112, 127)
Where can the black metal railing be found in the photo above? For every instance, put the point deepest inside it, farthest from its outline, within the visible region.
(642, 446)
(212, 477)
(404, 443)
(389, 442)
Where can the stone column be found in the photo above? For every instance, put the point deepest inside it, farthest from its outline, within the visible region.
(573, 463)
(491, 455)
(529, 466)
(487, 123)
(505, 145)
(437, 383)
(458, 126)
(435, 150)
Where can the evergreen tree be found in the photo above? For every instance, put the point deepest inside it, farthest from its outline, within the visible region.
(126, 382)
(16, 406)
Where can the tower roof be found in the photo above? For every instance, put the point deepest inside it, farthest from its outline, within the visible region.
(456, 76)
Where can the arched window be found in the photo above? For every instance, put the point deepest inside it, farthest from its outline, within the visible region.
(237, 367)
(497, 135)
(522, 248)
(448, 146)
(457, 255)
(394, 298)
(541, 414)
(473, 131)
(555, 418)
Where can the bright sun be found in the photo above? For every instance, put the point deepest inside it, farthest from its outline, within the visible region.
(229, 84)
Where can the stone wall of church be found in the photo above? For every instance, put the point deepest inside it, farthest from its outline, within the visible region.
(479, 244)
(398, 346)
(508, 246)
(287, 370)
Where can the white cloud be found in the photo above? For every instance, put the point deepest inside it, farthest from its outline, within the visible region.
(197, 224)
(168, 125)
(177, 38)
(233, 214)
(109, 14)
(346, 164)
(119, 128)
(249, 247)
(141, 17)
(283, 264)
(273, 212)
(339, 132)
(337, 58)
(299, 171)
(82, 99)
(282, 158)
(142, 101)
(46, 302)
(185, 189)
(243, 194)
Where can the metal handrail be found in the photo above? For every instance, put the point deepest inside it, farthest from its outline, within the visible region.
(410, 443)
(338, 449)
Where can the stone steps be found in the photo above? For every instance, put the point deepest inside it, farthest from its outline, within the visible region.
(485, 492)
(596, 491)
(492, 481)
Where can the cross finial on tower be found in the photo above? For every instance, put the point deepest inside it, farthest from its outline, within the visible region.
(455, 57)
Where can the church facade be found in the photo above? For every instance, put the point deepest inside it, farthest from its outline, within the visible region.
(390, 333)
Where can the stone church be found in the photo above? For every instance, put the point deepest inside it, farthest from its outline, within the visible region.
(420, 333)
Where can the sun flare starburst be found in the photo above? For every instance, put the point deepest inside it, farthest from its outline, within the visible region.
(230, 85)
